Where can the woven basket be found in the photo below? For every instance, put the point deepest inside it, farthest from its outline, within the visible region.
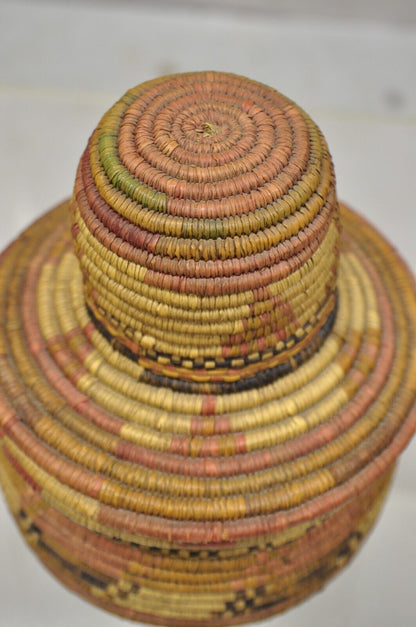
(207, 364)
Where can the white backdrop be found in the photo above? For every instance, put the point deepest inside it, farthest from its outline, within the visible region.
(62, 65)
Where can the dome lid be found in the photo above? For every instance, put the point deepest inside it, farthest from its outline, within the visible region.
(206, 224)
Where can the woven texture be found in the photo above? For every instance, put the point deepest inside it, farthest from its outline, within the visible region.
(207, 371)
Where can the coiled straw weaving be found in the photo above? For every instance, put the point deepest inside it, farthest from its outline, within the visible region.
(207, 365)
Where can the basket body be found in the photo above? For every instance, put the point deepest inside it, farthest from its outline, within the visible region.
(207, 371)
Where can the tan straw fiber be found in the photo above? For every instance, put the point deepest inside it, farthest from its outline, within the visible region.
(207, 364)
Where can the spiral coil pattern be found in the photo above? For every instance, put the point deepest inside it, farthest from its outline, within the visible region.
(201, 406)
(206, 224)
